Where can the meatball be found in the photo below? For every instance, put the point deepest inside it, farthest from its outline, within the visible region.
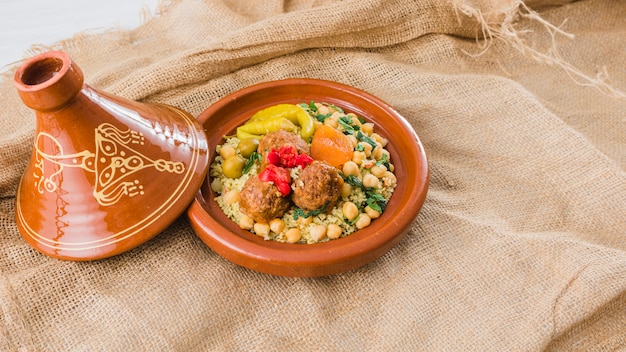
(319, 185)
(275, 140)
(262, 201)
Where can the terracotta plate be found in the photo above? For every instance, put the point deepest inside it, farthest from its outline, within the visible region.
(308, 260)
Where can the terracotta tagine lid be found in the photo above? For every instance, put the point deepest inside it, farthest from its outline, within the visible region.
(106, 173)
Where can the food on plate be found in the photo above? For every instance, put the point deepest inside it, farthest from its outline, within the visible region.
(331, 146)
(278, 117)
(275, 140)
(262, 200)
(303, 173)
(318, 187)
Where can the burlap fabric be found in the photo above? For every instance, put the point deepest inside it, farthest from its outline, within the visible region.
(521, 242)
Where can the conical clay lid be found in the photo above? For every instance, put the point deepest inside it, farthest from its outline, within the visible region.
(106, 173)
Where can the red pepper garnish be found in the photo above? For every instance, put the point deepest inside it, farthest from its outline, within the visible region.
(273, 157)
(279, 176)
(278, 164)
(303, 160)
(287, 156)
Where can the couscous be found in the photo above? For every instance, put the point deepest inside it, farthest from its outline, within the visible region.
(303, 173)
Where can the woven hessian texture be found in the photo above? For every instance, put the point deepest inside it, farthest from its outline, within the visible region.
(520, 245)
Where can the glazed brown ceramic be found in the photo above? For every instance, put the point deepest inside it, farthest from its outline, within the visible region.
(106, 173)
(309, 260)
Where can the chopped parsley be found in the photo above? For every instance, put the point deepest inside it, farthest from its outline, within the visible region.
(384, 161)
(365, 138)
(310, 107)
(321, 117)
(345, 124)
(374, 199)
(352, 180)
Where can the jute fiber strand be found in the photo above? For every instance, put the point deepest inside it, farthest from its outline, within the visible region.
(520, 246)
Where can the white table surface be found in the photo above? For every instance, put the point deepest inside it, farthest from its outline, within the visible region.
(24, 23)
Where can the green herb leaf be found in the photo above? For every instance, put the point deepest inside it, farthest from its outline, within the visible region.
(352, 180)
(336, 108)
(376, 201)
(347, 128)
(384, 161)
(375, 196)
(365, 138)
(254, 157)
(297, 213)
(353, 220)
(374, 205)
(301, 213)
(322, 118)
(348, 121)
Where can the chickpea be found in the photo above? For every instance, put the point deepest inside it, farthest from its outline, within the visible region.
(378, 170)
(277, 225)
(333, 231)
(353, 140)
(354, 118)
(233, 166)
(350, 168)
(293, 235)
(385, 152)
(389, 179)
(317, 232)
(262, 229)
(367, 148)
(246, 222)
(380, 139)
(377, 153)
(248, 146)
(374, 214)
(368, 163)
(367, 128)
(363, 221)
(350, 210)
(321, 109)
(358, 157)
(231, 197)
(336, 115)
(227, 151)
(332, 121)
(346, 190)
(216, 185)
(370, 181)
(305, 221)
(317, 124)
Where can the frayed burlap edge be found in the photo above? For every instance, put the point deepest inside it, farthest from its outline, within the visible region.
(498, 23)
(496, 20)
